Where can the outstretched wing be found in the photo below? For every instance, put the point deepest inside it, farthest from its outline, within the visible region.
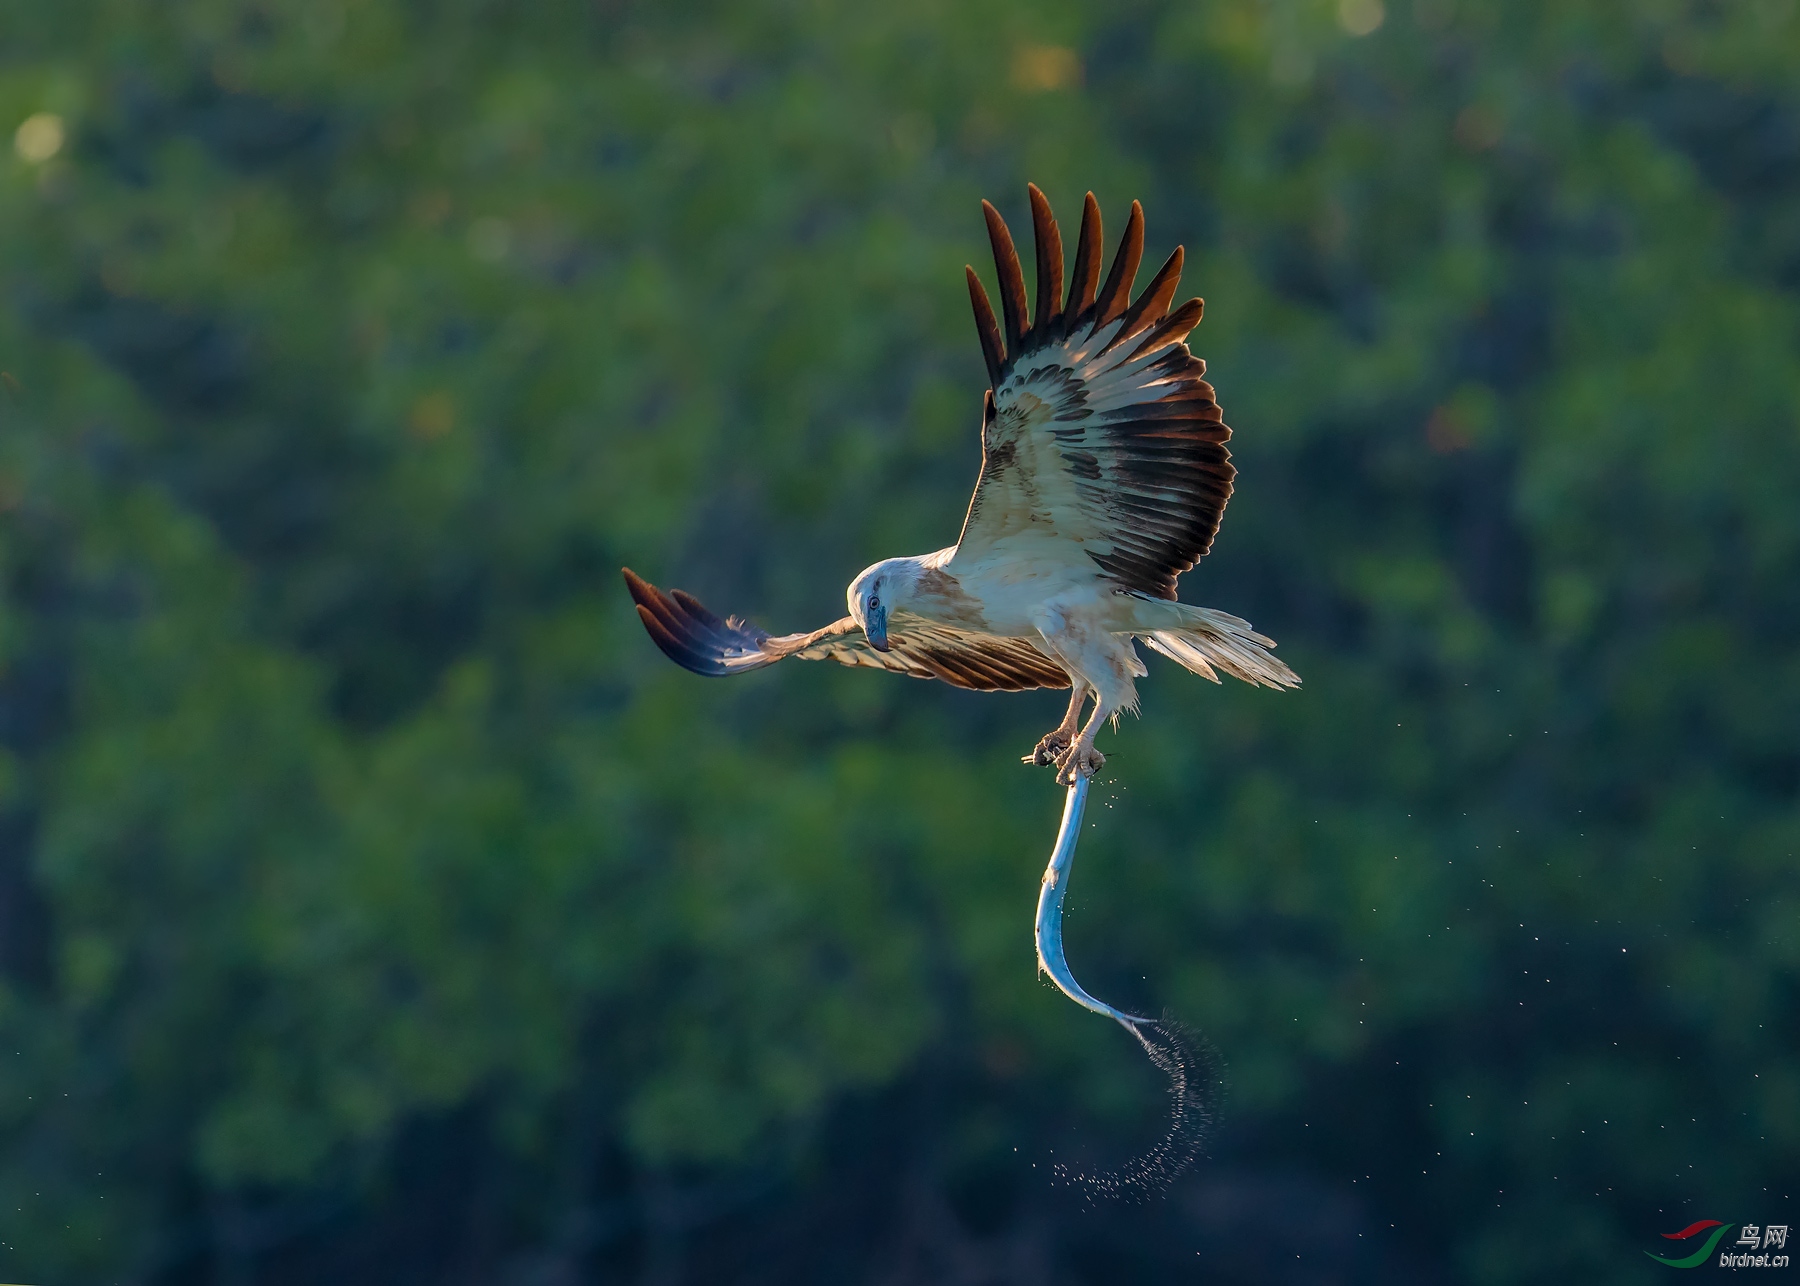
(1101, 435)
(695, 638)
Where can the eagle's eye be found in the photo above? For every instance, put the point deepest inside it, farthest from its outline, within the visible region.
(874, 600)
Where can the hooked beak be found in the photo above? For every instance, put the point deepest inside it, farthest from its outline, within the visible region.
(875, 628)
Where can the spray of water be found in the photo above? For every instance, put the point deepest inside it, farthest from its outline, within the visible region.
(1192, 1067)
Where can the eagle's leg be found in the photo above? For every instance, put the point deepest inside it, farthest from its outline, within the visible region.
(1060, 738)
(1101, 662)
(1113, 692)
(1081, 759)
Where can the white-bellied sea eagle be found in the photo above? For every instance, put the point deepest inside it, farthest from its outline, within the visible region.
(1104, 474)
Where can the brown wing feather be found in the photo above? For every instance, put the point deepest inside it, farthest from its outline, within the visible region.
(1152, 304)
(1116, 293)
(1103, 432)
(697, 639)
(984, 662)
(1012, 278)
(993, 348)
(1086, 274)
(1048, 243)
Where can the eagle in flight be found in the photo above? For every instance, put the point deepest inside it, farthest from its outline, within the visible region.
(1104, 475)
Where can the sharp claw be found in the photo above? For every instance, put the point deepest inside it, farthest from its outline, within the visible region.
(1078, 761)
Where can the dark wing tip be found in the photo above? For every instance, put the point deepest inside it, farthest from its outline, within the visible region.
(1012, 277)
(1154, 302)
(1048, 240)
(1115, 296)
(1084, 278)
(1172, 329)
(993, 348)
(691, 635)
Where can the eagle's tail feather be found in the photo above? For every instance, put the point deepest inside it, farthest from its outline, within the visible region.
(1205, 640)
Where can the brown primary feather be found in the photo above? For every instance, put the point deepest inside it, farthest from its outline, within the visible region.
(1086, 274)
(1172, 328)
(1153, 303)
(1116, 294)
(1048, 243)
(694, 637)
(993, 349)
(1012, 278)
(1000, 348)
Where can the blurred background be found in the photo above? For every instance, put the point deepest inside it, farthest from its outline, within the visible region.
(378, 906)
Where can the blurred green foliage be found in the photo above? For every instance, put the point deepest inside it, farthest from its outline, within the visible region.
(352, 345)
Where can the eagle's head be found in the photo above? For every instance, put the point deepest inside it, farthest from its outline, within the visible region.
(881, 589)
